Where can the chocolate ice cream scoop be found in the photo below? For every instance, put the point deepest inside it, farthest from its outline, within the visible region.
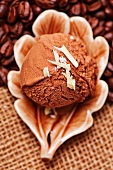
(57, 71)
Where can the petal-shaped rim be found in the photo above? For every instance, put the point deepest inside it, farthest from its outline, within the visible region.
(51, 21)
(14, 84)
(21, 48)
(97, 48)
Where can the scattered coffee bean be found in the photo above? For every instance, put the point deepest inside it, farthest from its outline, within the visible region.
(107, 73)
(94, 6)
(110, 96)
(110, 66)
(12, 15)
(98, 30)
(3, 9)
(7, 49)
(93, 22)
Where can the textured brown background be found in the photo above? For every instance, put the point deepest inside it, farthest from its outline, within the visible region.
(20, 150)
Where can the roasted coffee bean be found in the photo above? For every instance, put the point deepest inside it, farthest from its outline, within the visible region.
(3, 33)
(110, 83)
(108, 36)
(15, 3)
(98, 30)
(83, 8)
(108, 73)
(73, 1)
(110, 66)
(89, 1)
(7, 49)
(63, 3)
(3, 9)
(7, 61)
(27, 32)
(109, 12)
(29, 18)
(93, 22)
(104, 2)
(109, 24)
(24, 9)
(111, 55)
(100, 15)
(36, 9)
(16, 30)
(75, 10)
(111, 2)
(12, 15)
(95, 6)
(3, 74)
(46, 4)
(110, 96)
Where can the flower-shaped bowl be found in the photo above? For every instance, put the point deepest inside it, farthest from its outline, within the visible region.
(51, 132)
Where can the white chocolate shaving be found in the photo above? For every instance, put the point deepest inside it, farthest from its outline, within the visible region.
(47, 111)
(71, 37)
(65, 66)
(56, 55)
(70, 80)
(46, 72)
(68, 55)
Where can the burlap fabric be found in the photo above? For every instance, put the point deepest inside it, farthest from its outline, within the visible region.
(20, 150)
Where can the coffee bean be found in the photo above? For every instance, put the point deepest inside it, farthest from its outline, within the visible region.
(104, 3)
(110, 66)
(89, 1)
(3, 74)
(15, 3)
(24, 9)
(93, 22)
(46, 4)
(110, 96)
(12, 15)
(7, 49)
(110, 83)
(98, 30)
(63, 3)
(108, 36)
(16, 30)
(94, 7)
(107, 73)
(109, 24)
(36, 9)
(29, 18)
(102, 23)
(73, 1)
(3, 9)
(100, 15)
(3, 33)
(8, 61)
(75, 10)
(109, 12)
(83, 9)
(111, 2)
(111, 55)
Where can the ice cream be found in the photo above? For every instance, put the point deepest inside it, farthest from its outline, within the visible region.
(51, 78)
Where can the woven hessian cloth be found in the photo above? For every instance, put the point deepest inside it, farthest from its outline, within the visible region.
(20, 150)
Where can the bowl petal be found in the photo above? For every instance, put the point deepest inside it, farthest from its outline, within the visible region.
(21, 48)
(51, 21)
(81, 28)
(14, 84)
(99, 49)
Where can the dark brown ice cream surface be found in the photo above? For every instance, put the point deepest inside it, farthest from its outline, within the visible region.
(53, 91)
